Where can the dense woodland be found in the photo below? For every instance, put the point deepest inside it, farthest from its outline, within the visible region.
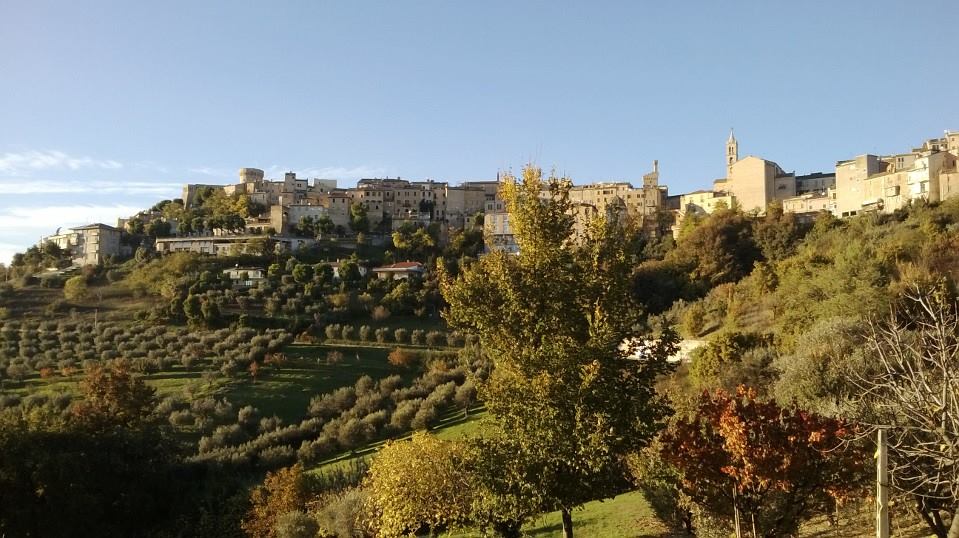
(155, 397)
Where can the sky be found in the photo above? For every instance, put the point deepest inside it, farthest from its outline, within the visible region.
(107, 107)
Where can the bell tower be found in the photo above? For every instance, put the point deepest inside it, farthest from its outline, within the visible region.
(732, 151)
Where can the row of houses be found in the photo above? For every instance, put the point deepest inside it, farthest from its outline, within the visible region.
(389, 203)
(880, 183)
(865, 183)
(248, 277)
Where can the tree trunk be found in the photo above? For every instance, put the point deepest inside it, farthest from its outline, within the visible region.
(954, 528)
(568, 523)
(935, 525)
(508, 529)
(939, 524)
(688, 523)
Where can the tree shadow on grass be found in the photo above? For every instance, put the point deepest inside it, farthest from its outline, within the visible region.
(581, 525)
(171, 375)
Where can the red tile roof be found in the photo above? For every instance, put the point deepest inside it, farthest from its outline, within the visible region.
(400, 266)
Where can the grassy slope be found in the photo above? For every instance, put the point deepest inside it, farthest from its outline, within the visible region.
(285, 393)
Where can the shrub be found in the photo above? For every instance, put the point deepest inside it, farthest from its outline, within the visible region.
(347, 332)
(425, 416)
(345, 514)
(334, 357)
(403, 415)
(295, 525)
(353, 433)
(456, 339)
(380, 313)
(182, 418)
(75, 288)
(694, 319)
(364, 385)
(366, 333)
(417, 337)
(402, 357)
(435, 339)
(400, 335)
(382, 334)
(248, 416)
(332, 331)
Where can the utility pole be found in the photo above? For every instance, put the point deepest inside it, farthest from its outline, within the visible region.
(882, 484)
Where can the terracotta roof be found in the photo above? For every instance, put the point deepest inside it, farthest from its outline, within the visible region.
(400, 266)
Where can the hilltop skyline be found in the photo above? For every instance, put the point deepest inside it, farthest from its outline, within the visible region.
(112, 107)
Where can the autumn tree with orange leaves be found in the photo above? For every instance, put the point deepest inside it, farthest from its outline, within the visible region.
(777, 465)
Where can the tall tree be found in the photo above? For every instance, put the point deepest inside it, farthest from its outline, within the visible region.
(555, 317)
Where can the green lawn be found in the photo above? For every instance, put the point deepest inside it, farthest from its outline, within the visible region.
(166, 383)
(625, 516)
(287, 393)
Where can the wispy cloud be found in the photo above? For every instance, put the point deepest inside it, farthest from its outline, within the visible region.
(47, 219)
(31, 161)
(14, 186)
(212, 171)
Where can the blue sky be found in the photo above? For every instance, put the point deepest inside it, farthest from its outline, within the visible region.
(106, 107)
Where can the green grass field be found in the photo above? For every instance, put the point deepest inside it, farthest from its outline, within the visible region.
(625, 516)
(285, 393)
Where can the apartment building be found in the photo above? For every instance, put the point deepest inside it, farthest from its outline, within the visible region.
(88, 245)
(886, 183)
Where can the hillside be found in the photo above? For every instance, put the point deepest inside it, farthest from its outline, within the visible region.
(301, 366)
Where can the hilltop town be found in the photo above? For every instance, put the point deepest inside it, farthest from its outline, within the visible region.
(293, 212)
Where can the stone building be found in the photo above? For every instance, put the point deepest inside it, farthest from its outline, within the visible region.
(645, 204)
(263, 191)
(496, 229)
(228, 245)
(90, 244)
(753, 182)
(401, 201)
(283, 218)
(886, 183)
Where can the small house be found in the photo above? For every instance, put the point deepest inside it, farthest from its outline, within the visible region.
(399, 271)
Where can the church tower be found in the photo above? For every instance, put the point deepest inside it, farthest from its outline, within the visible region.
(732, 151)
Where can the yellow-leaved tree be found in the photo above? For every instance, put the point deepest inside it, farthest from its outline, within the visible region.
(421, 483)
(564, 391)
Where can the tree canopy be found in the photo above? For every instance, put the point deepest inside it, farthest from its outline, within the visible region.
(555, 318)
